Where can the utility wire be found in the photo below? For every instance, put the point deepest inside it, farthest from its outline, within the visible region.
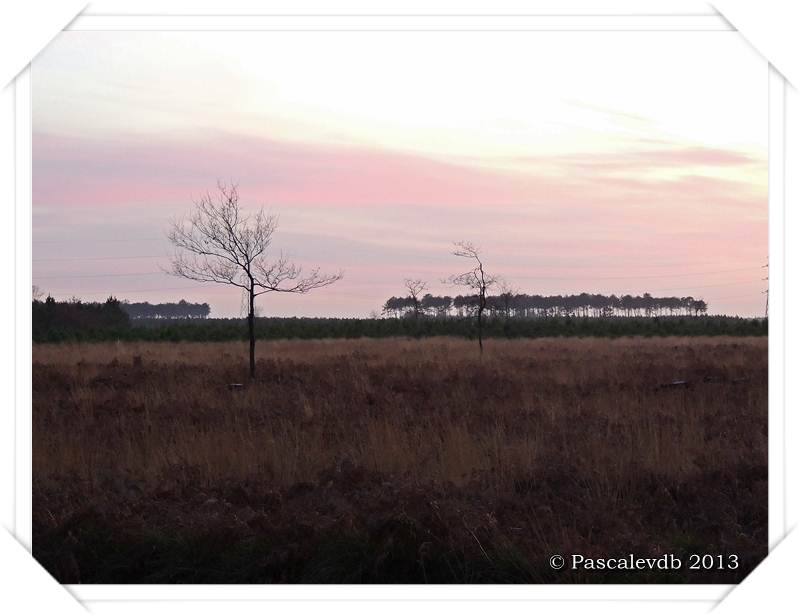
(684, 274)
(118, 291)
(104, 240)
(589, 277)
(115, 258)
(705, 286)
(59, 277)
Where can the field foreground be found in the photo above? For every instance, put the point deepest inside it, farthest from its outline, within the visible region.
(398, 460)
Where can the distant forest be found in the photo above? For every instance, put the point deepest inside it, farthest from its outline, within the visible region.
(530, 306)
(55, 321)
(170, 310)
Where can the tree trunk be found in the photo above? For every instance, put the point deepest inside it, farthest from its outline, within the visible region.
(480, 330)
(251, 326)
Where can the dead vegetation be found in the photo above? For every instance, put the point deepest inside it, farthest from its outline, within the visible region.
(397, 460)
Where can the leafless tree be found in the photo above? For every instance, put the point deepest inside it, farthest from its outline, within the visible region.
(507, 293)
(218, 243)
(415, 288)
(36, 293)
(476, 279)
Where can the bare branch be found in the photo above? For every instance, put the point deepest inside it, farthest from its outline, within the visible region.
(202, 269)
(415, 286)
(282, 276)
(476, 280)
(218, 243)
(465, 249)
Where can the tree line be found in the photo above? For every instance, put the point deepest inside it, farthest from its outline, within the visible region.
(167, 310)
(522, 305)
(75, 320)
(53, 320)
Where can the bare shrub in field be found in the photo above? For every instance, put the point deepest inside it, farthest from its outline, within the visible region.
(218, 242)
(430, 464)
(477, 280)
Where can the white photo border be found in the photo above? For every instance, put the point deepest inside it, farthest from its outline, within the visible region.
(23, 346)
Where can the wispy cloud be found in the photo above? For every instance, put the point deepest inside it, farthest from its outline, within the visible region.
(75, 171)
(378, 213)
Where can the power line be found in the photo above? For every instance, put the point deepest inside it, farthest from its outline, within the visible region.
(104, 240)
(747, 295)
(59, 277)
(111, 275)
(115, 258)
(110, 291)
(107, 292)
(590, 277)
(705, 286)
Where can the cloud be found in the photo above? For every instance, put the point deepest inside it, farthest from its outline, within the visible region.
(638, 160)
(383, 215)
(75, 171)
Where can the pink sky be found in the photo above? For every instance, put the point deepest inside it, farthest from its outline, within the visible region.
(627, 199)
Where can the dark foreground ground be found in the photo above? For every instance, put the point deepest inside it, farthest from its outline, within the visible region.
(399, 460)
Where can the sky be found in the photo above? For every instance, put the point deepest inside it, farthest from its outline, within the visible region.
(605, 162)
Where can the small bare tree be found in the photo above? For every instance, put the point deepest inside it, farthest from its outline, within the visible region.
(415, 288)
(476, 279)
(507, 293)
(218, 243)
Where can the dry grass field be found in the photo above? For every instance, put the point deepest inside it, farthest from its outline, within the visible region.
(397, 460)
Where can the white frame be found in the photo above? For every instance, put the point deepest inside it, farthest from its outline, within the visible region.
(777, 496)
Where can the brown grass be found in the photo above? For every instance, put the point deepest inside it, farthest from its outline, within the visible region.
(541, 446)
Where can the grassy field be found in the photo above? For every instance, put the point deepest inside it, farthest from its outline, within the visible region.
(397, 460)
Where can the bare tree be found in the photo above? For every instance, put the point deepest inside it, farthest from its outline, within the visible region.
(415, 288)
(476, 279)
(507, 293)
(218, 243)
